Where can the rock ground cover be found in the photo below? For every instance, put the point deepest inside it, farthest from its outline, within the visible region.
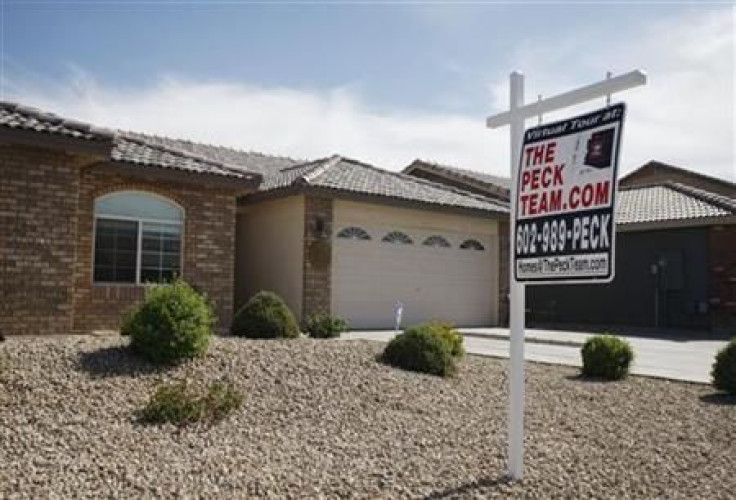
(324, 419)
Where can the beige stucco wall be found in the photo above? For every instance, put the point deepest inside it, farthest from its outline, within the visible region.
(269, 250)
(377, 219)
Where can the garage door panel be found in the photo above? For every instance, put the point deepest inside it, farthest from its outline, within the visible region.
(447, 284)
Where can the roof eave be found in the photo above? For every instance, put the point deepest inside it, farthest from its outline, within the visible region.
(55, 142)
(241, 185)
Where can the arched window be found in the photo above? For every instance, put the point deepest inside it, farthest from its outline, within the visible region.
(138, 238)
(436, 241)
(397, 237)
(353, 233)
(472, 245)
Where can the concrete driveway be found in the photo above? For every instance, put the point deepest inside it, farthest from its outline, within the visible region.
(687, 359)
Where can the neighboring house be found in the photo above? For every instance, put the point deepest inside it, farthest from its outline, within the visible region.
(654, 172)
(481, 183)
(89, 216)
(675, 258)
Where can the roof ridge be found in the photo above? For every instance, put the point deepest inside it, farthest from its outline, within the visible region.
(185, 154)
(323, 166)
(716, 199)
(76, 125)
(461, 171)
(438, 185)
(660, 164)
(210, 145)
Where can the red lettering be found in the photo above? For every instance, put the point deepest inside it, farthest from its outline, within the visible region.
(601, 193)
(538, 154)
(549, 157)
(558, 175)
(555, 200)
(574, 197)
(587, 195)
(526, 178)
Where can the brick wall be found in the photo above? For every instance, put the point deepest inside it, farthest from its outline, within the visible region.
(722, 277)
(38, 197)
(209, 249)
(317, 289)
(503, 272)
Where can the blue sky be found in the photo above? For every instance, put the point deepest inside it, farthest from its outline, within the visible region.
(383, 82)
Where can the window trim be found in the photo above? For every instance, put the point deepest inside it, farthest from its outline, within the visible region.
(139, 243)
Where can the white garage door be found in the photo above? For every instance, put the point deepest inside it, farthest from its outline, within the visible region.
(436, 275)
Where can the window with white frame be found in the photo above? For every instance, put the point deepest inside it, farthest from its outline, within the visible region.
(138, 238)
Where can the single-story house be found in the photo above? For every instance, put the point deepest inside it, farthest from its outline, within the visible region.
(90, 216)
(675, 258)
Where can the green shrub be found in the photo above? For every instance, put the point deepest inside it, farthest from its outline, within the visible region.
(265, 316)
(607, 357)
(324, 326)
(174, 323)
(448, 333)
(724, 369)
(182, 404)
(421, 349)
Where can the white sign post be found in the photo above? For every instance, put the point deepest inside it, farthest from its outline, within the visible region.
(514, 117)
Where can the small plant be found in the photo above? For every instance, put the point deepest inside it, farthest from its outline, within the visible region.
(265, 316)
(724, 369)
(174, 323)
(324, 326)
(450, 335)
(607, 357)
(422, 348)
(181, 404)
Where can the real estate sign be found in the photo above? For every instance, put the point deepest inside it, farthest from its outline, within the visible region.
(564, 208)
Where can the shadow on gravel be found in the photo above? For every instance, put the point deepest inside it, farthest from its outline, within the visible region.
(468, 488)
(579, 377)
(115, 362)
(719, 398)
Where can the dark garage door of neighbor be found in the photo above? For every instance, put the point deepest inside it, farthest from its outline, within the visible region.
(661, 281)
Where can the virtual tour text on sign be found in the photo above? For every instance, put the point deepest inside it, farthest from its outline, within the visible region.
(565, 199)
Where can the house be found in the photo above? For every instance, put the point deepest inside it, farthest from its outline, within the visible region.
(89, 217)
(675, 263)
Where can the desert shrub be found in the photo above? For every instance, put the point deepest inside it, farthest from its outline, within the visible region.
(724, 369)
(607, 357)
(182, 404)
(265, 316)
(324, 326)
(421, 349)
(174, 323)
(449, 334)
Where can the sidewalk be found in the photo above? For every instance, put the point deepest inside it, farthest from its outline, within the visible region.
(685, 359)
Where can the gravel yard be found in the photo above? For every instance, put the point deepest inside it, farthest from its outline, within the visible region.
(323, 418)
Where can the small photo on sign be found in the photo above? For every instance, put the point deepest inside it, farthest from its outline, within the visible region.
(600, 148)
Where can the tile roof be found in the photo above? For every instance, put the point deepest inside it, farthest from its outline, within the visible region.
(463, 174)
(670, 201)
(20, 117)
(347, 175)
(125, 147)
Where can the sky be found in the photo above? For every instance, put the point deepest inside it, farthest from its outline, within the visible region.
(383, 82)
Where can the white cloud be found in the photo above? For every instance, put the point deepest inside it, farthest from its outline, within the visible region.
(684, 116)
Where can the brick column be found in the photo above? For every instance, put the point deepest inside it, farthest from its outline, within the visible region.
(722, 278)
(503, 273)
(317, 289)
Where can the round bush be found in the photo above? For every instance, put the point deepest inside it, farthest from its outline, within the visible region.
(448, 333)
(422, 350)
(607, 357)
(172, 324)
(265, 316)
(324, 326)
(724, 369)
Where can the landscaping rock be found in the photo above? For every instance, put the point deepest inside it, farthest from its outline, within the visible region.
(324, 419)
